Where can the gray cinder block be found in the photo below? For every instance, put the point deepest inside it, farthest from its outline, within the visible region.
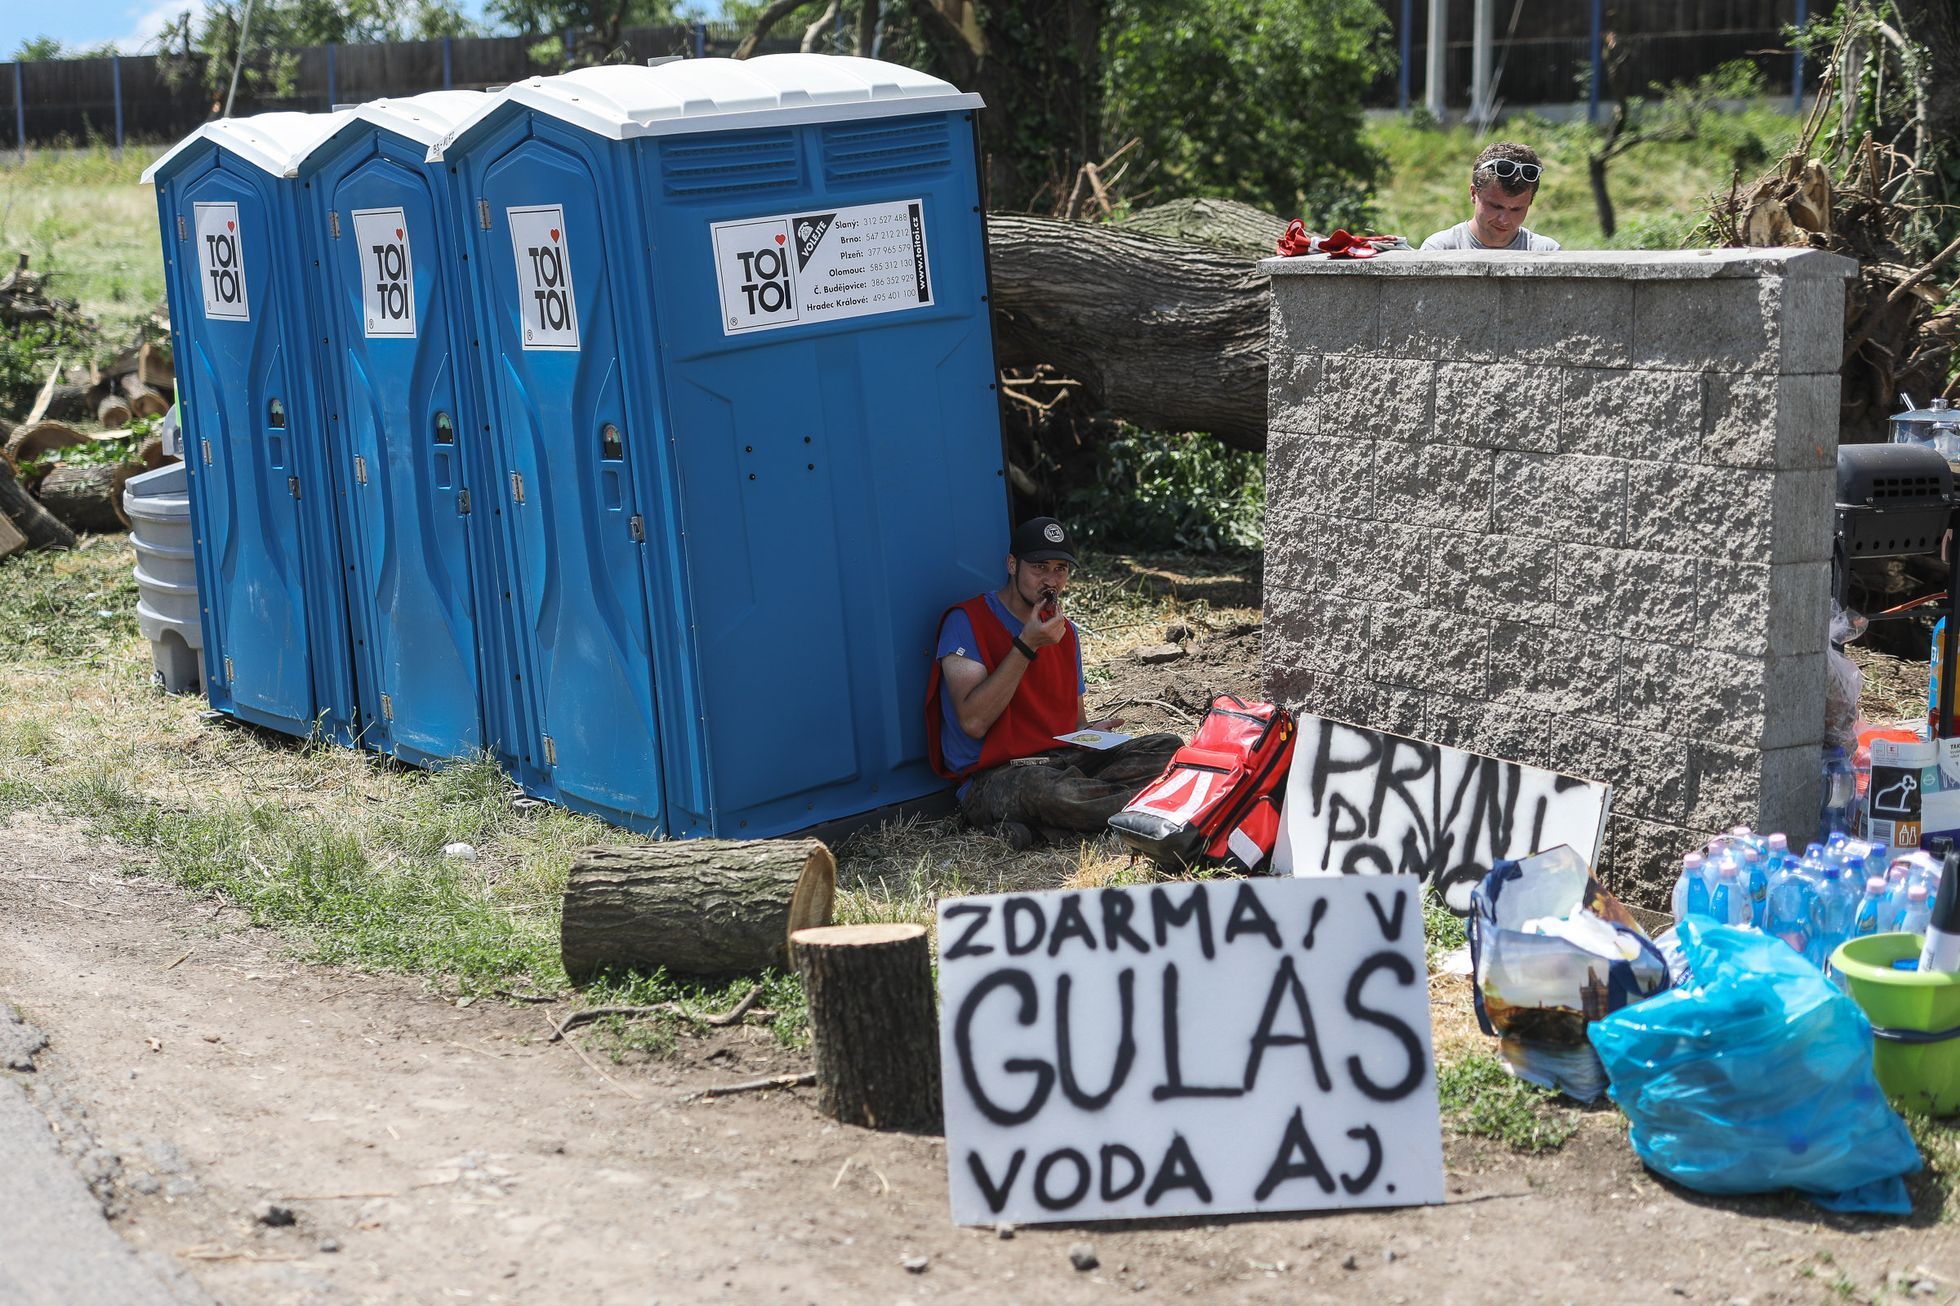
(1631, 414)
(1599, 526)
(1577, 497)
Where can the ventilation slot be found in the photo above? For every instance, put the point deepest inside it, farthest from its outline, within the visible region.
(754, 161)
(858, 153)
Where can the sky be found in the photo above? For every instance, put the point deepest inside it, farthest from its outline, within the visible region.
(131, 24)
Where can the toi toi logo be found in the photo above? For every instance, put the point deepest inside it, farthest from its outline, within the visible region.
(222, 264)
(765, 279)
(554, 300)
(391, 290)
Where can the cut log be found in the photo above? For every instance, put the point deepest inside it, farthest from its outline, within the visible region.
(153, 365)
(696, 906)
(1166, 335)
(112, 410)
(88, 496)
(144, 400)
(31, 441)
(874, 1025)
(42, 528)
(11, 540)
(108, 371)
(150, 453)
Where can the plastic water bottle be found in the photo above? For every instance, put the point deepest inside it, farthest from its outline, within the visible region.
(1790, 892)
(1866, 920)
(1893, 908)
(1691, 890)
(1731, 900)
(1840, 793)
(1755, 869)
(1831, 908)
(1919, 911)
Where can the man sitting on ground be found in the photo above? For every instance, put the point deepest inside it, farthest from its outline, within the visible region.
(1006, 680)
(1503, 182)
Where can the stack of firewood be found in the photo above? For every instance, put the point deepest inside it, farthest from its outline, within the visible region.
(57, 478)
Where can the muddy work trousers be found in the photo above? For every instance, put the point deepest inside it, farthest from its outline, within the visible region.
(1072, 791)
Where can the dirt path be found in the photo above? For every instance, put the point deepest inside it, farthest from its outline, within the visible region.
(436, 1153)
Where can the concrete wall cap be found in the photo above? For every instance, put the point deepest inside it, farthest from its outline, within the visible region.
(1608, 264)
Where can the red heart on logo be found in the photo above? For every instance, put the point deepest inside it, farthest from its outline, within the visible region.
(398, 233)
(554, 233)
(779, 239)
(231, 226)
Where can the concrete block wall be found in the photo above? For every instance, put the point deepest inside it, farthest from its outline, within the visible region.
(1572, 510)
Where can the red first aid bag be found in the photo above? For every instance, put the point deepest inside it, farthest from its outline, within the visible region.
(1217, 803)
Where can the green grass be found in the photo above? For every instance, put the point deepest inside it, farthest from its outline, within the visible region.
(1659, 190)
(1936, 1188)
(85, 219)
(1479, 1097)
(1443, 931)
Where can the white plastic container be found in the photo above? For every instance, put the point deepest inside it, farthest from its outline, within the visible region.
(159, 508)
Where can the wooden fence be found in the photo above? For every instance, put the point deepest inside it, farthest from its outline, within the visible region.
(161, 97)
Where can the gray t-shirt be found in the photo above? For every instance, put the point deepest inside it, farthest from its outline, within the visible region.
(1459, 237)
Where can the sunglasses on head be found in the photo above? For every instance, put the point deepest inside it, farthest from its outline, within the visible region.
(1506, 169)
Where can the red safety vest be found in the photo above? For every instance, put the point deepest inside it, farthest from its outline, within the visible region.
(1046, 703)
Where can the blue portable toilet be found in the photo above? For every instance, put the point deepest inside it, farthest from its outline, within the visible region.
(273, 609)
(738, 356)
(405, 441)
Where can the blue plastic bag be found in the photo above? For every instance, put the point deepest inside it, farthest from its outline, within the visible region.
(1757, 1076)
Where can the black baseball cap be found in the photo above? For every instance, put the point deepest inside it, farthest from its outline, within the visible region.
(1040, 539)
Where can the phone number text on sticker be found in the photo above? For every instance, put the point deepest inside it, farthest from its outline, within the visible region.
(803, 268)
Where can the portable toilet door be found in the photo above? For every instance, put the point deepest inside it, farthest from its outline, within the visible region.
(545, 240)
(276, 642)
(831, 471)
(408, 449)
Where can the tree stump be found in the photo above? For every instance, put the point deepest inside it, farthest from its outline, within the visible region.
(874, 1023)
(88, 496)
(708, 907)
(41, 527)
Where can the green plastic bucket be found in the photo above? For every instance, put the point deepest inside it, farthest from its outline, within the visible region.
(1915, 1017)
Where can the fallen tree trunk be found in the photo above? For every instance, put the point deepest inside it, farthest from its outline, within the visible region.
(874, 1026)
(695, 906)
(29, 442)
(88, 496)
(1162, 333)
(41, 527)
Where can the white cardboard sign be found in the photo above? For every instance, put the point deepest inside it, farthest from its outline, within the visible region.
(221, 263)
(821, 267)
(387, 272)
(1361, 801)
(1187, 1049)
(546, 304)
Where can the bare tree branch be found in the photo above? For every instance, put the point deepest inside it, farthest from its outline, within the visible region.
(768, 18)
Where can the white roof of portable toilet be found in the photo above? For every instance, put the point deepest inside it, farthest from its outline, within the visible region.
(424, 119)
(699, 95)
(275, 142)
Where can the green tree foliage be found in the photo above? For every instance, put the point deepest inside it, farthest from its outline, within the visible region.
(278, 27)
(594, 26)
(1255, 100)
(37, 47)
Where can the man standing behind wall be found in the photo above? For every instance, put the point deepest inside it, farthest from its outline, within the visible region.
(1006, 679)
(1503, 182)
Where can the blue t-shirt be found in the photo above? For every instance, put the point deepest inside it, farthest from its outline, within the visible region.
(962, 750)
